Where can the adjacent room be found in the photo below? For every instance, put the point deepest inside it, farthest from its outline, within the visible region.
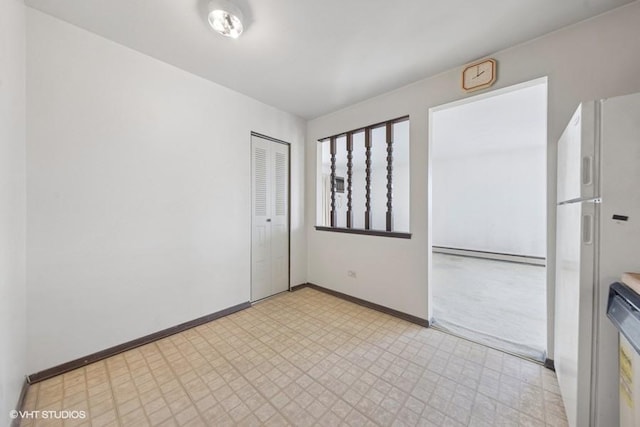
(488, 218)
(236, 212)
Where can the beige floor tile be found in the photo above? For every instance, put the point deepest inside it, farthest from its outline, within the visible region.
(306, 358)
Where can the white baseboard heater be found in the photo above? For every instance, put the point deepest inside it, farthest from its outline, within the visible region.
(523, 259)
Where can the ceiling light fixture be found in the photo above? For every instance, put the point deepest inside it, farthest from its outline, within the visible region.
(225, 18)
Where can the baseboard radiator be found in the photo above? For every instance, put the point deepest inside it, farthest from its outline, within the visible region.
(496, 256)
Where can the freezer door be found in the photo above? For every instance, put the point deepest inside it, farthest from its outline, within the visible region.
(575, 241)
(577, 160)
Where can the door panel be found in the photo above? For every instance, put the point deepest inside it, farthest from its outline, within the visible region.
(576, 156)
(280, 218)
(280, 257)
(574, 307)
(567, 305)
(281, 180)
(261, 233)
(270, 220)
(261, 260)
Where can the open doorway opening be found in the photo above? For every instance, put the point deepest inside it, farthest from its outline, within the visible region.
(488, 159)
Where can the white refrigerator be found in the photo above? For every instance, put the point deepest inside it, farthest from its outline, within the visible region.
(597, 239)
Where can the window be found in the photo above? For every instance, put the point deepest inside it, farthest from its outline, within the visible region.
(363, 180)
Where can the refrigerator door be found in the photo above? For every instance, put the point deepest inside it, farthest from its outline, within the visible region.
(577, 168)
(575, 253)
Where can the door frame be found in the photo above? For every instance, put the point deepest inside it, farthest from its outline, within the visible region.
(550, 208)
(288, 145)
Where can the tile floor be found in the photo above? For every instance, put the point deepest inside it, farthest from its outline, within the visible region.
(497, 303)
(306, 358)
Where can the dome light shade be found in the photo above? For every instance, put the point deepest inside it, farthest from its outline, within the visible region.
(225, 18)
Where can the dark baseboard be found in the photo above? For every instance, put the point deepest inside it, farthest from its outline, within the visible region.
(371, 305)
(298, 287)
(23, 394)
(549, 364)
(112, 351)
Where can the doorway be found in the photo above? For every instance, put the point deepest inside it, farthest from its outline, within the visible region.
(488, 225)
(269, 216)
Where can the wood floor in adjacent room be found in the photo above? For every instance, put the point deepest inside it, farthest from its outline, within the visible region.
(305, 358)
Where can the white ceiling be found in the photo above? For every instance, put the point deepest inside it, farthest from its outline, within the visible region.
(510, 121)
(313, 57)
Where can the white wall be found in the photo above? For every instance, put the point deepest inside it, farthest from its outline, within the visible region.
(488, 171)
(138, 193)
(596, 58)
(492, 202)
(12, 205)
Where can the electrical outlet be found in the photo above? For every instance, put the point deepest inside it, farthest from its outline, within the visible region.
(351, 274)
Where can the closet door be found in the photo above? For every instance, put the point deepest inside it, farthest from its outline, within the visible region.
(270, 218)
(279, 218)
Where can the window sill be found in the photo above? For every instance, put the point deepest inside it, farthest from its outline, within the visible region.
(366, 232)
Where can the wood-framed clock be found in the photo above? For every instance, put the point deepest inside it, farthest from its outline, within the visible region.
(479, 75)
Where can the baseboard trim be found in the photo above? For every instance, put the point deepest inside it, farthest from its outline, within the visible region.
(496, 256)
(550, 364)
(23, 395)
(298, 287)
(112, 351)
(395, 313)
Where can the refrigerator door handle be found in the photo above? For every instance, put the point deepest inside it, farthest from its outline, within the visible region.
(587, 229)
(587, 170)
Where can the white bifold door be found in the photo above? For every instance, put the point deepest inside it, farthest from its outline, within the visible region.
(270, 217)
